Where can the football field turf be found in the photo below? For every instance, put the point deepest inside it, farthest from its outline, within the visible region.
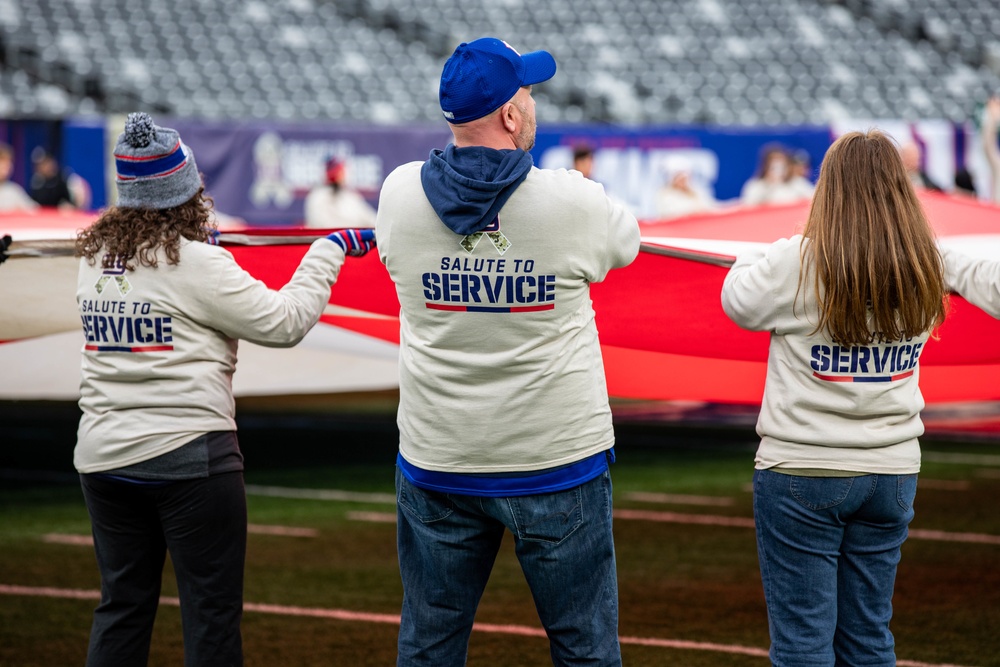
(322, 585)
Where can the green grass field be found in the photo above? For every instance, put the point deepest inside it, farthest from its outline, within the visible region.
(679, 581)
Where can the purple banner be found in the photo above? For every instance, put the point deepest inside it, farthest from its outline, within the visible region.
(262, 171)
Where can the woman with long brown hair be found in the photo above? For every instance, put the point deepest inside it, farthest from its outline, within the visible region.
(159, 461)
(849, 304)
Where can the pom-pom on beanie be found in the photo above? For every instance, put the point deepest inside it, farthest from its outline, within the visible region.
(155, 169)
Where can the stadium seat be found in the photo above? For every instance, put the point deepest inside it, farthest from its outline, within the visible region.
(621, 61)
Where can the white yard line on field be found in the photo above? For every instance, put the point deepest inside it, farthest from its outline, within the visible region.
(677, 499)
(253, 528)
(676, 517)
(393, 619)
(624, 514)
(75, 540)
(965, 459)
(372, 517)
(945, 536)
(944, 484)
(743, 522)
(319, 494)
(717, 520)
(281, 531)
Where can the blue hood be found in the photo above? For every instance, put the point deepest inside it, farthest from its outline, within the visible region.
(468, 186)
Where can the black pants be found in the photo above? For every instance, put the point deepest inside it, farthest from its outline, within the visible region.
(202, 522)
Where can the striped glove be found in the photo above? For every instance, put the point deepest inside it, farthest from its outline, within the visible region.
(354, 242)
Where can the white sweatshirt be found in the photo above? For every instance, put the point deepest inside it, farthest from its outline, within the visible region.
(977, 280)
(487, 391)
(825, 407)
(161, 342)
(327, 208)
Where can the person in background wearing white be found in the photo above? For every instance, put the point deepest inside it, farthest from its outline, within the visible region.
(990, 122)
(800, 165)
(678, 197)
(12, 196)
(773, 182)
(335, 205)
(913, 157)
(157, 453)
(583, 159)
(849, 305)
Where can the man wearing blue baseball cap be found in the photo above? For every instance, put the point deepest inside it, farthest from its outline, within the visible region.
(503, 417)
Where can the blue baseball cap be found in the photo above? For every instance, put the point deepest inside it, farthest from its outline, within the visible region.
(482, 76)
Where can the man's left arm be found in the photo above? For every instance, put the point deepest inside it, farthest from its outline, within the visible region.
(623, 235)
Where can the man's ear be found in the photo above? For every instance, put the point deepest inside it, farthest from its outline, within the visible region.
(507, 117)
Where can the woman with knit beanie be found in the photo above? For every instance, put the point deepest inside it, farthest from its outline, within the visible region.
(161, 469)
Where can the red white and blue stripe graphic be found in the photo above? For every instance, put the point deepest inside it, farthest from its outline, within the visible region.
(132, 167)
(126, 348)
(862, 378)
(491, 309)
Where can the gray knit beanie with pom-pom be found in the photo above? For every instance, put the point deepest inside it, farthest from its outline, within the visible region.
(155, 170)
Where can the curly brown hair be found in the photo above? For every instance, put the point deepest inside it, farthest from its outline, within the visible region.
(130, 235)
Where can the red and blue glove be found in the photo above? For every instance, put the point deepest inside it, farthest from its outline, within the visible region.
(354, 242)
(213, 236)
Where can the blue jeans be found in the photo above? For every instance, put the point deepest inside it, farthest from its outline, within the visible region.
(828, 550)
(448, 544)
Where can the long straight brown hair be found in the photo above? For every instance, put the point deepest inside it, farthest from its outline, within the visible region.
(878, 273)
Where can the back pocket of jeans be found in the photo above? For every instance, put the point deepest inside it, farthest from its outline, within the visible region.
(817, 493)
(549, 517)
(906, 490)
(425, 506)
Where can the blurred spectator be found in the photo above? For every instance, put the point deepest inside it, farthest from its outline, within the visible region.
(990, 122)
(12, 196)
(49, 187)
(801, 168)
(801, 165)
(334, 204)
(678, 197)
(583, 159)
(774, 182)
(964, 184)
(913, 163)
